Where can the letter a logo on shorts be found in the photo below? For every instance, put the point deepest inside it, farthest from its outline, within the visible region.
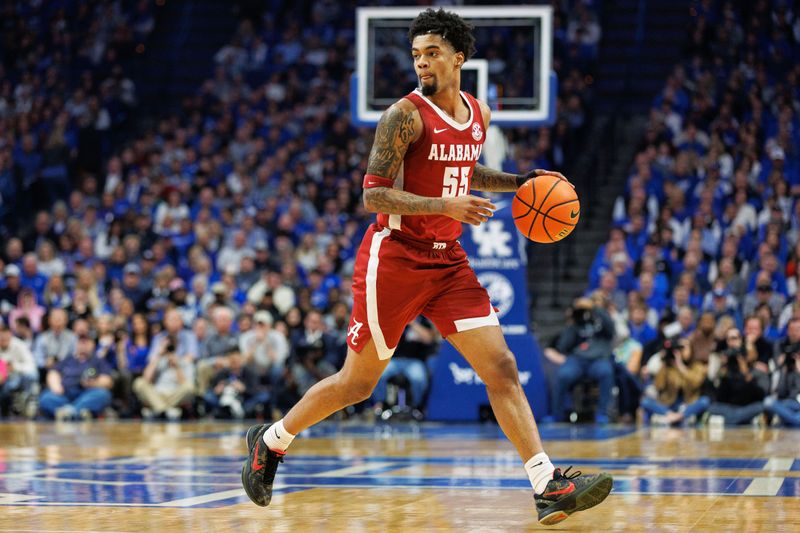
(354, 329)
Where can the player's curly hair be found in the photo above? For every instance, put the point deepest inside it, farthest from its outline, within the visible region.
(452, 28)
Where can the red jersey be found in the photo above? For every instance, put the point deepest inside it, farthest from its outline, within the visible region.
(438, 165)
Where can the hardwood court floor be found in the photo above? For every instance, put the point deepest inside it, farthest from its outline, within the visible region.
(135, 477)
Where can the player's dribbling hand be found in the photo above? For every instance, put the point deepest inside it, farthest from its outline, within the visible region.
(542, 172)
(470, 209)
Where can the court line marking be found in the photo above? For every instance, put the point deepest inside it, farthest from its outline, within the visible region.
(782, 464)
(362, 469)
(207, 498)
(764, 486)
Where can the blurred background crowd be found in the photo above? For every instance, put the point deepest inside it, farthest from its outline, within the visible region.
(696, 289)
(198, 262)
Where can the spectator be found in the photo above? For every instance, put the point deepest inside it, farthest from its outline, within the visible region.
(419, 341)
(21, 377)
(677, 385)
(56, 343)
(168, 378)
(236, 391)
(739, 390)
(9, 294)
(78, 385)
(787, 404)
(587, 346)
(265, 348)
(132, 352)
(28, 308)
(221, 342)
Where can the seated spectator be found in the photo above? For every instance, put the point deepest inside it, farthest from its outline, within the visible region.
(265, 348)
(739, 389)
(168, 378)
(677, 382)
(9, 292)
(56, 343)
(786, 405)
(21, 377)
(28, 308)
(79, 385)
(702, 340)
(236, 391)
(307, 366)
(419, 341)
(627, 363)
(754, 336)
(587, 347)
(220, 343)
(763, 293)
(132, 351)
(313, 333)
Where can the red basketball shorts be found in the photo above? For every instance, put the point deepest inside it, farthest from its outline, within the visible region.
(396, 279)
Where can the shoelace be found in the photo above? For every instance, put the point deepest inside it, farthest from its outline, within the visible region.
(564, 473)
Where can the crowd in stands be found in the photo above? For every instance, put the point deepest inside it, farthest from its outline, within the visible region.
(202, 265)
(700, 273)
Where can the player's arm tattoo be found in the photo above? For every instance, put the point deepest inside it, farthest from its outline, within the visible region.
(491, 180)
(397, 202)
(392, 136)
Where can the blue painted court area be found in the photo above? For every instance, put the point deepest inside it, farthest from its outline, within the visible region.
(434, 431)
(215, 481)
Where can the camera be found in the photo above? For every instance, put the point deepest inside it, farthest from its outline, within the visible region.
(582, 316)
(172, 345)
(669, 352)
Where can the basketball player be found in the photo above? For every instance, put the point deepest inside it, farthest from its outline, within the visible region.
(421, 168)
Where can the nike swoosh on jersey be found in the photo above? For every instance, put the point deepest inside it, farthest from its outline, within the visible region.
(436, 130)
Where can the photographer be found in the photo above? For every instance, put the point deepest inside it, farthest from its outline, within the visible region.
(235, 390)
(787, 404)
(587, 345)
(740, 389)
(677, 385)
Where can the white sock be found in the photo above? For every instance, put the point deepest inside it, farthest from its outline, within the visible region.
(277, 438)
(540, 471)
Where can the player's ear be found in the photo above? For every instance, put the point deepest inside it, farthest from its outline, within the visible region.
(459, 59)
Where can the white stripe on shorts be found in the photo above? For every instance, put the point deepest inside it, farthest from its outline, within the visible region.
(471, 323)
(384, 352)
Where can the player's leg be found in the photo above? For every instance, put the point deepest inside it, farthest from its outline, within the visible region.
(486, 350)
(352, 384)
(267, 444)
(556, 495)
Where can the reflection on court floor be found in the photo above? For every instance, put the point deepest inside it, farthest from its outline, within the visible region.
(201, 467)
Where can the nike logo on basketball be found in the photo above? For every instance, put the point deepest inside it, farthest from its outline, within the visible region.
(437, 130)
(573, 214)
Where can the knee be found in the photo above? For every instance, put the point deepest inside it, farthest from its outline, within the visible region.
(353, 390)
(503, 371)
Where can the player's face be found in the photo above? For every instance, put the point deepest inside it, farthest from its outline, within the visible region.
(435, 62)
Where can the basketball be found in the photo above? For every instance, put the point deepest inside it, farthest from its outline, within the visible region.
(546, 209)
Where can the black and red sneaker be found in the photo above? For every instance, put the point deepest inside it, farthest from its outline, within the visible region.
(258, 472)
(567, 494)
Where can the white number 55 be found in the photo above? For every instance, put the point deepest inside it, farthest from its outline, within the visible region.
(451, 186)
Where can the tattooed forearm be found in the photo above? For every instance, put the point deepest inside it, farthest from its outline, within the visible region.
(393, 135)
(397, 202)
(488, 179)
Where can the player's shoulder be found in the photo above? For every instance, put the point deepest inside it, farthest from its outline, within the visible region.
(402, 115)
(486, 111)
(402, 106)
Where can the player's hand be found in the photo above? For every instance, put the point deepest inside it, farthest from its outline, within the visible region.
(542, 172)
(470, 209)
